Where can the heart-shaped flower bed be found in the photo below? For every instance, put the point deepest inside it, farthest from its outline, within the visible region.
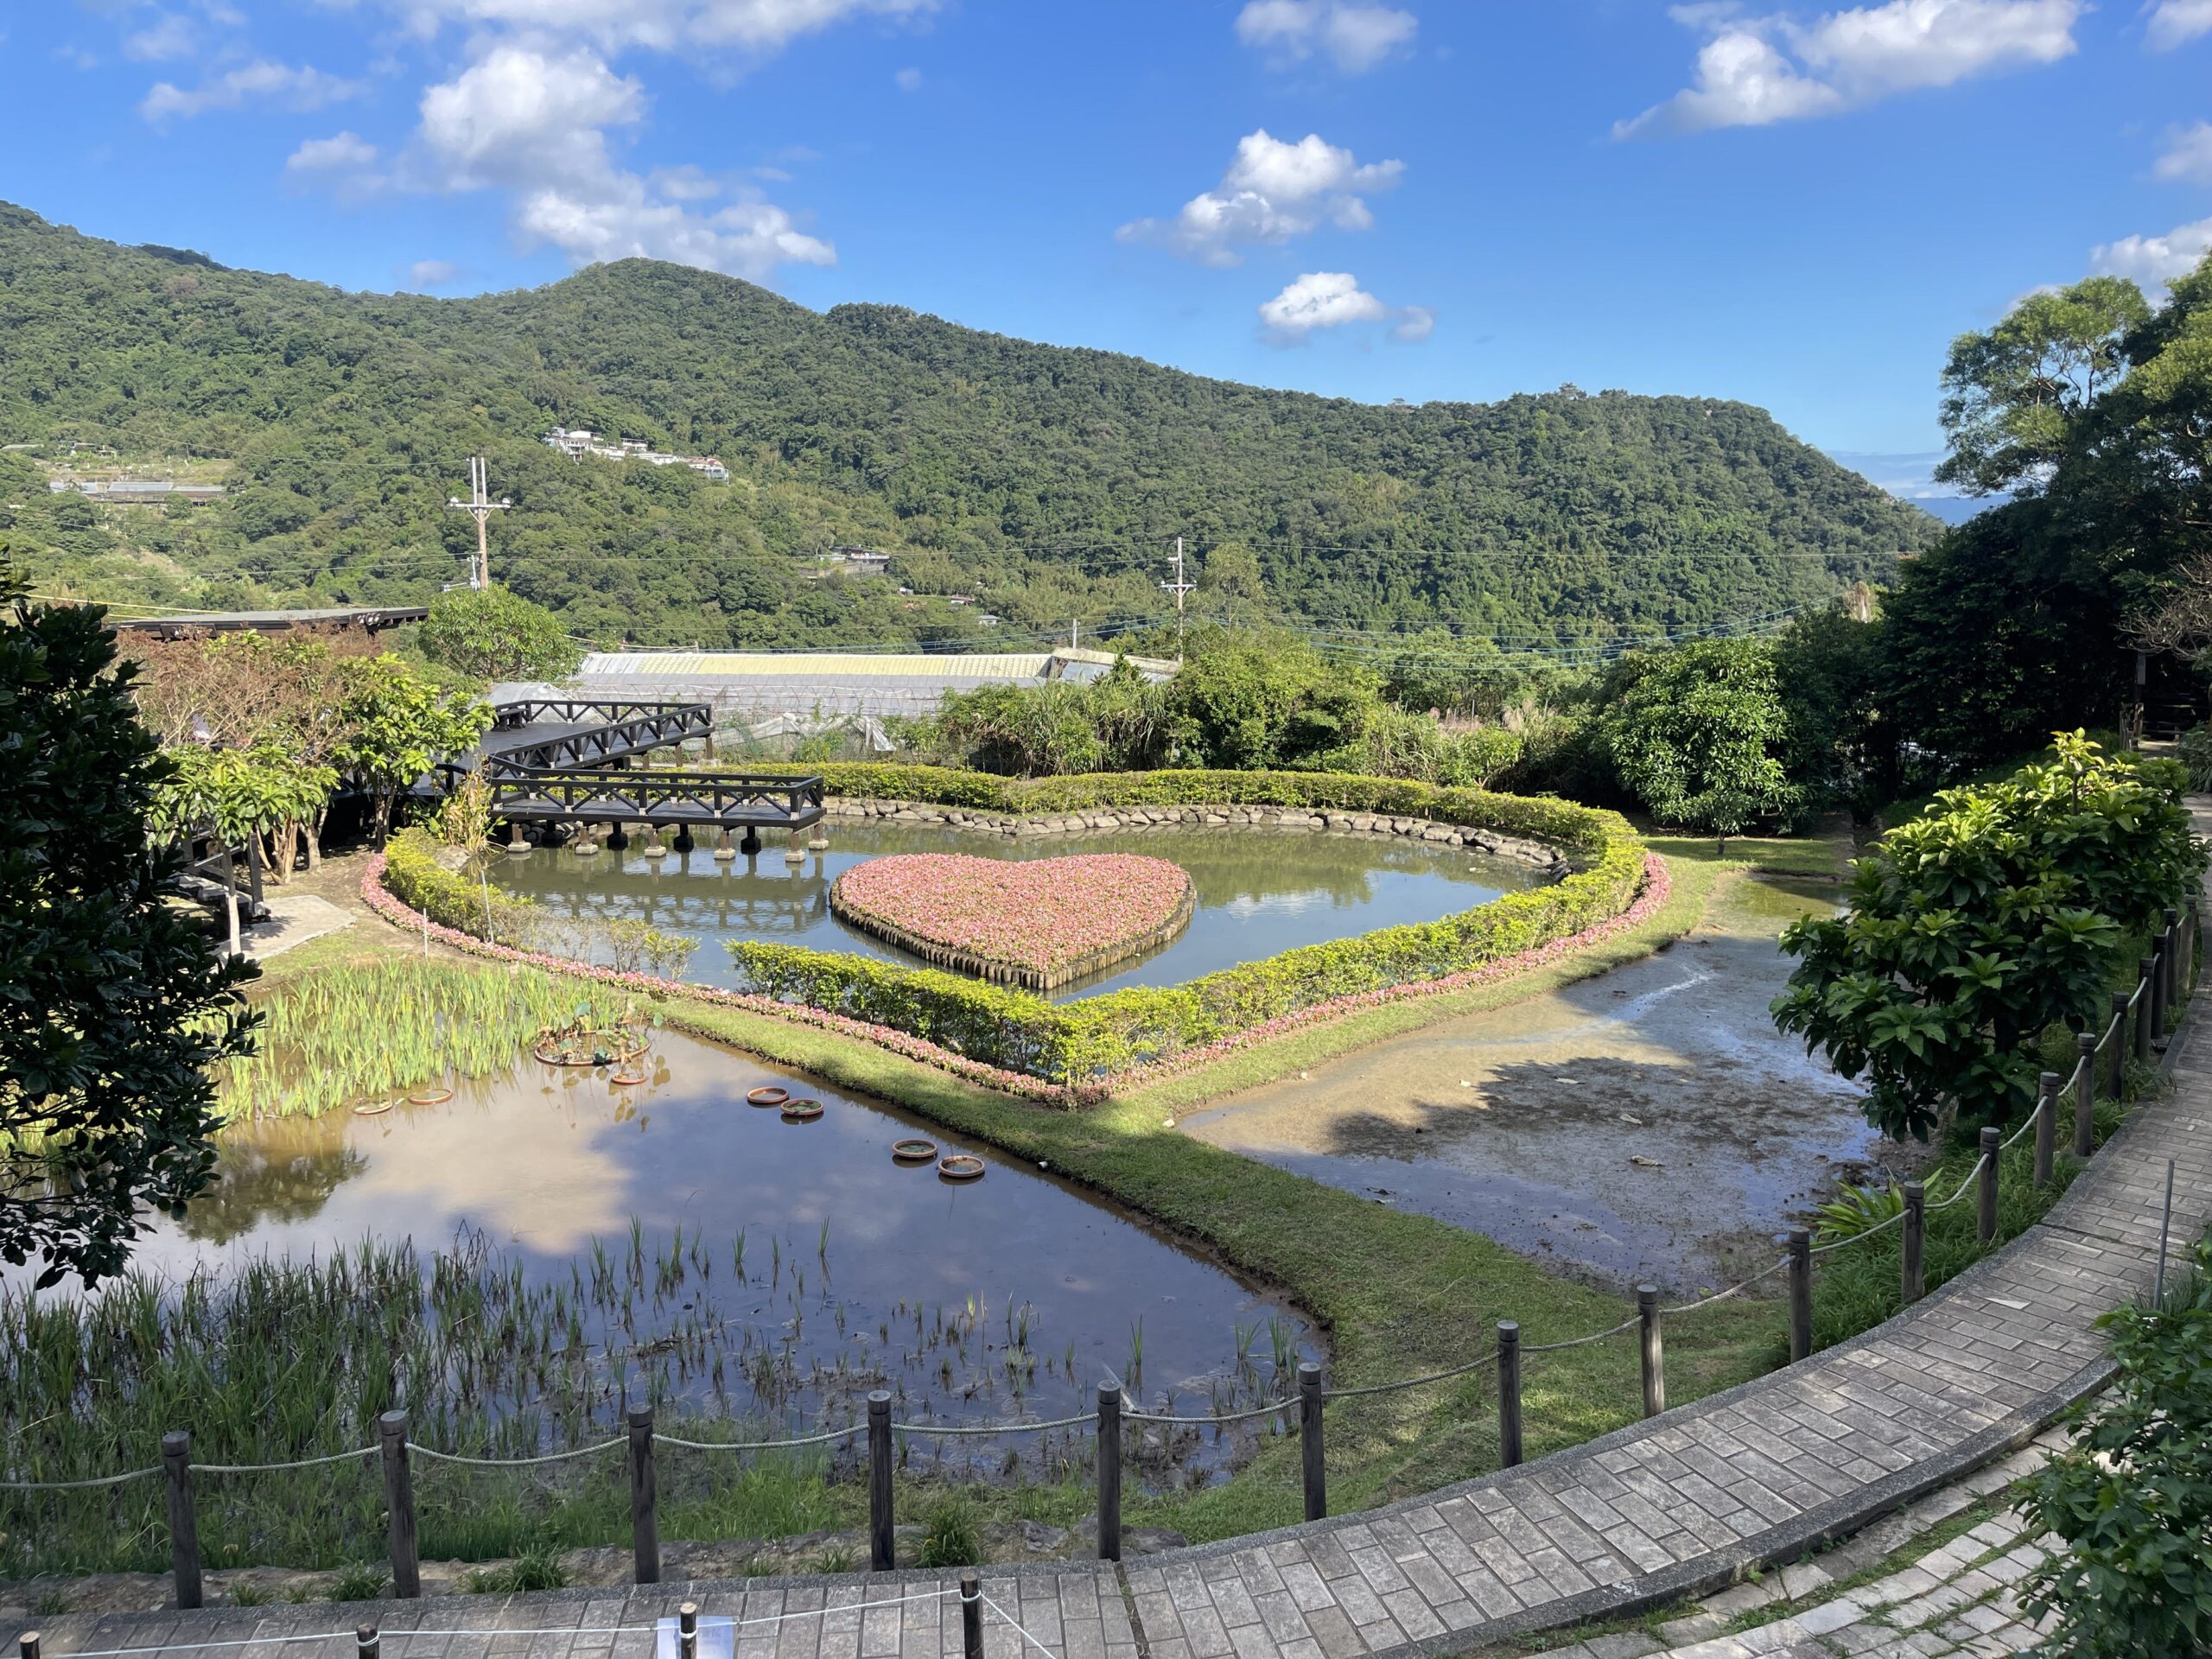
(1038, 922)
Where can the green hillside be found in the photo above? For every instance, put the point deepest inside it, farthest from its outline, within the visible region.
(1044, 479)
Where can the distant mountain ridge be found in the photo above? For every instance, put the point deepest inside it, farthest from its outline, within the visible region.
(1046, 481)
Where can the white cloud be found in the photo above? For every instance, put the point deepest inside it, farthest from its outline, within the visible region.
(756, 27)
(2189, 154)
(534, 122)
(261, 81)
(1272, 191)
(345, 165)
(908, 81)
(2177, 23)
(431, 273)
(2154, 260)
(171, 34)
(1355, 37)
(1334, 299)
(1755, 71)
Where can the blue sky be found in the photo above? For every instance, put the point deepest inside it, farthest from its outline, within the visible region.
(1425, 200)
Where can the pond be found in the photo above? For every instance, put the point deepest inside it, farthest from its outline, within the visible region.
(1260, 890)
(767, 1270)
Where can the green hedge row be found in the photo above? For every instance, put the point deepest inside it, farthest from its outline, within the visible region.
(413, 874)
(1076, 1041)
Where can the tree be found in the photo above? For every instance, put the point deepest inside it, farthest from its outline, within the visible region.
(2131, 1497)
(1698, 735)
(2014, 397)
(397, 724)
(113, 1004)
(1231, 580)
(493, 634)
(238, 796)
(1252, 699)
(2000, 912)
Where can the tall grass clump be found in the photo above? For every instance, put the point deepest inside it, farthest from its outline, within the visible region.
(340, 1035)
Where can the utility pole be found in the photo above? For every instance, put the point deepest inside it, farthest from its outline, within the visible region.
(1179, 588)
(479, 506)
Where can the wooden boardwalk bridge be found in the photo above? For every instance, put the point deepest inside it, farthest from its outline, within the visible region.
(565, 764)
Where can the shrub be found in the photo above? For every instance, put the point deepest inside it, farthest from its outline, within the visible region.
(2003, 911)
(949, 1537)
(1069, 1042)
(2133, 1497)
(1699, 734)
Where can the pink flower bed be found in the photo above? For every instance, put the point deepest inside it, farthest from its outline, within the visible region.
(1040, 913)
(1658, 885)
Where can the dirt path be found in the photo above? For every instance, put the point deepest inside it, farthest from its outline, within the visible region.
(1648, 1124)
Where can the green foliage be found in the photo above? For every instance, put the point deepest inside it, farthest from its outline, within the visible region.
(111, 1004)
(1036, 476)
(1999, 913)
(2022, 621)
(1699, 735)
(398, 723)
(493, 634)
(358, 1581)
(1076, 1041)
(2133, 1497)
(1116, 723)
(2195, 752)
(1253, 701)
(2013, 398)
(1858, 1210)
(949, 1536)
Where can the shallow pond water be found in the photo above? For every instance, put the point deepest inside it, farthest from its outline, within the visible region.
(808, 1260)
(1260, 890)
(1647, 1124)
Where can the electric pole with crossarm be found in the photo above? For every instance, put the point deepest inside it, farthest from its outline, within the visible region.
(1179, 588)
(479, 506)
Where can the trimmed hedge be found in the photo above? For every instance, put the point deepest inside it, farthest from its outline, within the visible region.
(1073, 1042)
(413, 874)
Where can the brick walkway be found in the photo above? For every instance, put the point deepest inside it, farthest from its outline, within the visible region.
(1677, 1507)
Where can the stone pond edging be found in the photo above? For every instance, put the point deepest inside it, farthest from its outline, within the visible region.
(1018, 826)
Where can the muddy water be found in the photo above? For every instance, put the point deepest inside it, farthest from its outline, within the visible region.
(852, 1264)
(1260, 891)
(1648, 1124)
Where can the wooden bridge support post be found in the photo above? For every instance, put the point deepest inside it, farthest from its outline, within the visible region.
(796, 853)
(723, 851)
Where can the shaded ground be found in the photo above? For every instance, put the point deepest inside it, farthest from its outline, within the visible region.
(1648, 1124)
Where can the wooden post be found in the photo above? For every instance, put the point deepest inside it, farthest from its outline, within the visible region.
(1915, 1242)
(644, 1512)
(1653, 1352)
(879, 1482)
(26, 1645)
(2085, 1095)
(2173, 948)
(365, 1643)
(971, 1615)
(796, 853)
(184, 1526)
(1986, 1217)
(1508, 1394)
(2047, 1127)
(687, 1631)
(2118, 1048)
(1110, 1470)
(2143, 968)
(1310, 1443)
(1801, 1294)
(399, 1505)
(2156, 1005)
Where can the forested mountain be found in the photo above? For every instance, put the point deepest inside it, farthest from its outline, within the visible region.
(1047, 481)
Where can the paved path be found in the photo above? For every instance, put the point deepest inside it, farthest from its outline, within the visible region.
(1678, 1506)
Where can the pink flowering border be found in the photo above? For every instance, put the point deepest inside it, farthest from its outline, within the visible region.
(1657, 887)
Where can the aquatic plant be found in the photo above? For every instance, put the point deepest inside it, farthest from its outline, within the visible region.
(345, 1033)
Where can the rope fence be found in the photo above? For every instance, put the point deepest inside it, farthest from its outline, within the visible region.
(2164, 981)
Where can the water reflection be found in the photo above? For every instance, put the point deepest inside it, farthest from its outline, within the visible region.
(811, 1261)
(1260, 891)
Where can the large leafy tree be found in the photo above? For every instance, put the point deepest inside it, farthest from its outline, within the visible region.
(491, 634)
(1699, 733)
(397, 724)
(1999, 912)
(113, 1004)
(237, 795)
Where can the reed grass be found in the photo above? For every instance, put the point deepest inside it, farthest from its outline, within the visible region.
(348, 1033)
